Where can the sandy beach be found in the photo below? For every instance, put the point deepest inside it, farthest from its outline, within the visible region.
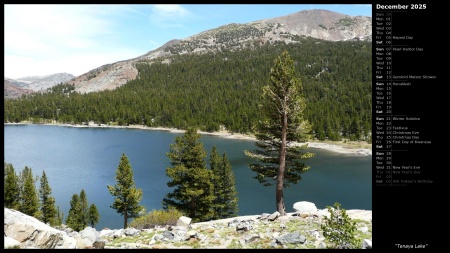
(224, 134)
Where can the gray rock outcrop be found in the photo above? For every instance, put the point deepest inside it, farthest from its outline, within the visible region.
(294, 237)
(32, 233)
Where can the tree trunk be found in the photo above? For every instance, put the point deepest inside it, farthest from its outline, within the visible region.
(125, 219)
(280, 177)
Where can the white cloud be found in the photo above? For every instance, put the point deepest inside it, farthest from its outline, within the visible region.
(77, 64)
(170, 10)
(169, 15)
(46, 39)
(51, 25)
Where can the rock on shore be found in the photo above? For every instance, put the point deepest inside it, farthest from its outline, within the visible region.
(297, 230)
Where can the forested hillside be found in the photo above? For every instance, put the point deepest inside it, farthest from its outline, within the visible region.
(222, 89)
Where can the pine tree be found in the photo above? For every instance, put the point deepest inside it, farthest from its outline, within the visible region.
(94, 216)
(193, 193)
(226, 202)
(11, 196)
(215, 163)
(48, 208)
(78, 217)
(59, 217)
(339, 229)
(229, 189)
(73, 218)
(283, 123)
(84, 209)
(28, 193)
(127, 195)
(188, 150)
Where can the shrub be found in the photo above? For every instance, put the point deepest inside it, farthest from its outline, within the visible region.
(339, 229)
(157, 218)
(13, 247)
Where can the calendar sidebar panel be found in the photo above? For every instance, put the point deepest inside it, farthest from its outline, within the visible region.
(408, 111)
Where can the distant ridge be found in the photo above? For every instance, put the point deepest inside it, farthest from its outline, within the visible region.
(26, 85)
(317, 23)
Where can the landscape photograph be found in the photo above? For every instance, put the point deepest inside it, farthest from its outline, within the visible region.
(188, 126)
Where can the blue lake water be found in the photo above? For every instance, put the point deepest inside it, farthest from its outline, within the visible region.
(76, 158)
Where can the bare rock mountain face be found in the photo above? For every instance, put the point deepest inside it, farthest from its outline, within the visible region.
(321, 24)
(326, 25)
(106, 77)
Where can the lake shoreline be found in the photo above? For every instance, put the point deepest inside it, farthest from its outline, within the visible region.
(224, 134)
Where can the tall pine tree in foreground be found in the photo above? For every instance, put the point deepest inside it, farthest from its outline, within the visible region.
(94, 216)
(28, 193)
(79, 213)
(74, 218)
(283, 131)
(84, 218)
(191, 180)
(127, 196)
(226, 202)
(48, 209)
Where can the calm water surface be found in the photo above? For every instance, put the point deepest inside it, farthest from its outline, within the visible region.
(76, 158)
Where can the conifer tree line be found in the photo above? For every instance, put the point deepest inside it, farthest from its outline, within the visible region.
(223, 88)
(20, 193)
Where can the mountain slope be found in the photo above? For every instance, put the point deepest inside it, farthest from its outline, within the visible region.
(321, 24)
(40, 83)
(14, 88)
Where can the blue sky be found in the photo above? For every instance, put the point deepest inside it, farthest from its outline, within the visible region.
(45, 39)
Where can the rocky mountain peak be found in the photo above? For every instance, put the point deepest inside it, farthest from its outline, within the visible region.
(320, 24)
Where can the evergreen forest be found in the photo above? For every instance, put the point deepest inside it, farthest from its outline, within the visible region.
(222, 89)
